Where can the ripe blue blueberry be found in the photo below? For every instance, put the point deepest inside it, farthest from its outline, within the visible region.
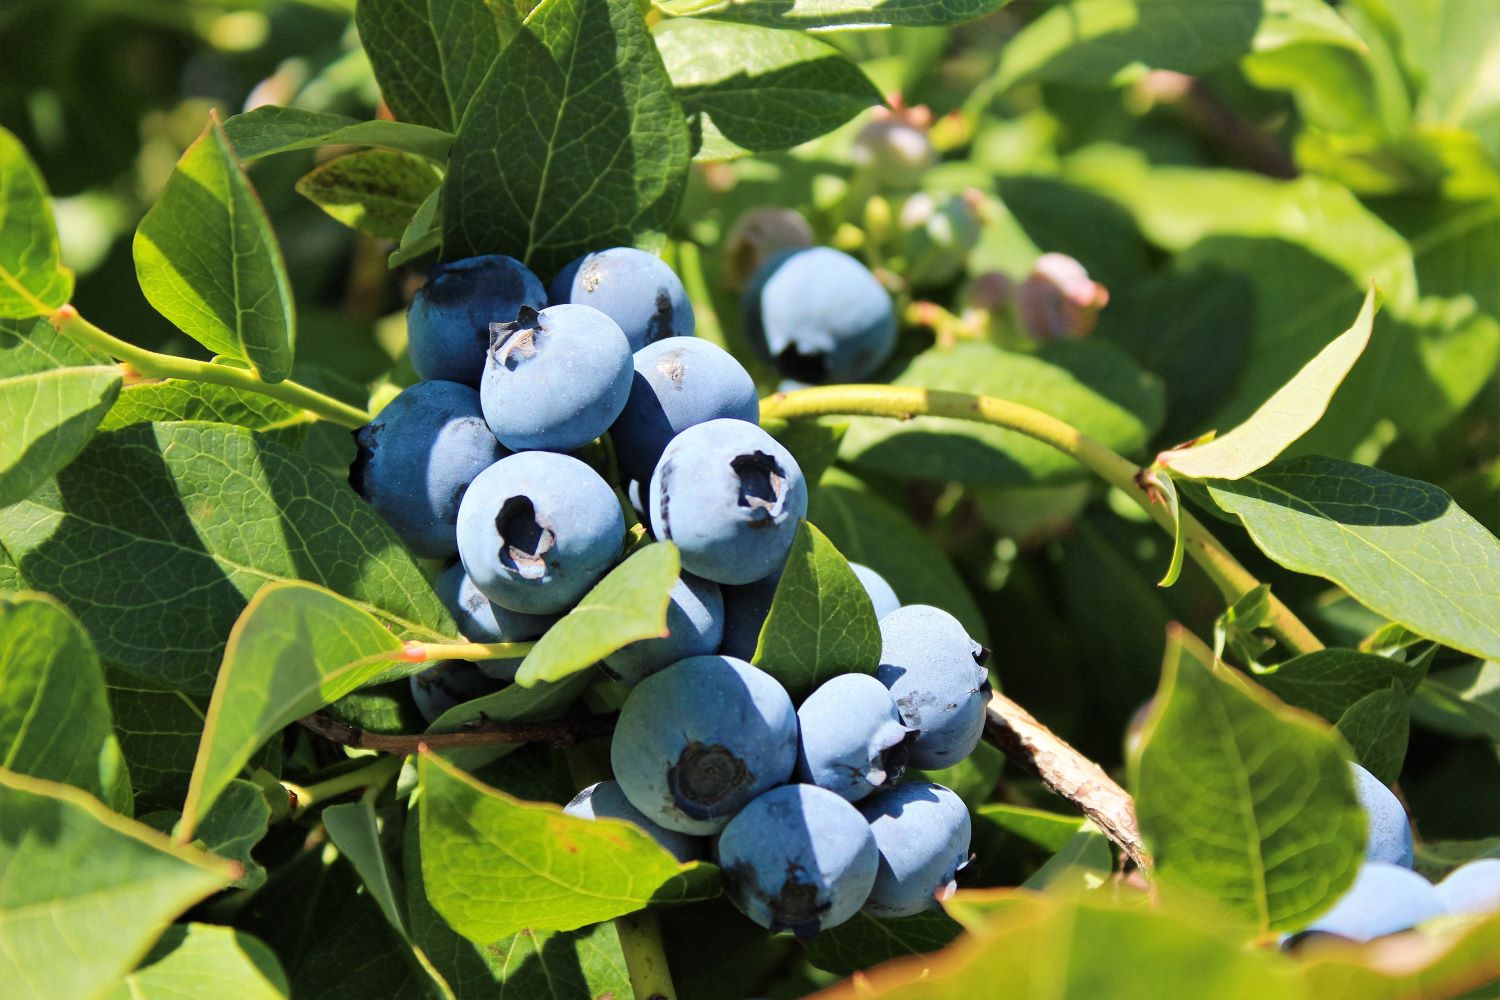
(634, 288)
(798, 858)
(852, 739)
(921, 830)
(1472, 888)
(604, 800)
(695, 625)
(449, 683)
(937, 675)
(448, 324)
(819, 316)
(1390, 832)
(731, 497)
(536, 530)
(416, 459)
(555, 379)
(698, 740)
(745, 610)
(678, 383)
(481, 620)
(1384, 899)
(882, 595)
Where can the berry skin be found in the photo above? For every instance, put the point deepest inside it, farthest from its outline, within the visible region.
(731, 497)
(882, 595)
(555, 379)
(1390, 832)
(819, 316)
(698, 740)
(1384, 899)
(852, 741)
(936, 674)
(757, 235)
(745, 610)
(448, 323)
(536, 530)
(937, 233)
(1472, 888)
(895, 149)
(481, 620)
(448, 683)
(634, 288)
(678, 383)
(798, 858)
(604, 800)
(416, 459)
(921, 830)
(695, 623)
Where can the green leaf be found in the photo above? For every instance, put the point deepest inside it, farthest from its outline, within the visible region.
(1290, 412)
(83, 891)
(1446, 46)
(495, 865)
(1399, 546)
(376, 191)
(52, 396)
(813, 443)
(236, 823)
(757, 89)
(870, 530)
(207, 260)
(205, 962)
(54, 717)
(630, 603)
(556, 965)
(1330, 681)
(1090, 384)
(217, 512)
(183, 399)
(834, 13)
(1048, 830)
(1240, 628)
(1242, 800)
(821, 623)
(1085, 862)
(430, 58)
(574, 140)
(422, 234)
(1468, 695)
(865, 941)
(295, 648)
(33, 281)
(1377, 728)
(158, 729)
(269, 130)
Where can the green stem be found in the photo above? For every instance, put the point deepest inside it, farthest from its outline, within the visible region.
(381, 769)
(645, 958)
(154, 365)
(902, 403)
(426, 652)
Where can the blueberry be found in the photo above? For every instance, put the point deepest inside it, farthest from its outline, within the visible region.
(819, 316)
(852, 741)
(1384, 899)
(536, 530)
(698, 740)
(481, 620)
(604, 800)
(798, 858)
(937, 233)
(756, 236)
(634, 288)
(746, 608)
(1472, 888)
(921, 830)
(555, 379)
(448, 324)
(695, 625)
(416, 459)
(1390, 832)
(678, 383)
(882, 595)
(731, 497)
(449, 683)
(937, 675)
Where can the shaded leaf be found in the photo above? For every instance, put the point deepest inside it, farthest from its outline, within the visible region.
(1376, 728)
(183, 399)
(1399, 546)
(1469, 696)
(204, 962)
(158, 729)
(865, 941)
(208, 261)
(376, 191)
(1045, 829)
(1084, 862)
(834, 13)
(33, 281)
(1330, 681)
(422, 234)
(269, 130)
(540, 703)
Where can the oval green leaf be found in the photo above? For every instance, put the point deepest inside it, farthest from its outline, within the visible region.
(33, 281)
(834, 13)
(193, 961)
(268, 130)
(207, 260)
(377, 191)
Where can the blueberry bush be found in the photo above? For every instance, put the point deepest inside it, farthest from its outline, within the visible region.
(733, 498)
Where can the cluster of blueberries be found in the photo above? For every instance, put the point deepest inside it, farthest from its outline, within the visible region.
(1388, 896)
(474, 461)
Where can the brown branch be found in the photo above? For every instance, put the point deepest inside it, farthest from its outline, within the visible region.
(559, 733)
(1067, 772)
